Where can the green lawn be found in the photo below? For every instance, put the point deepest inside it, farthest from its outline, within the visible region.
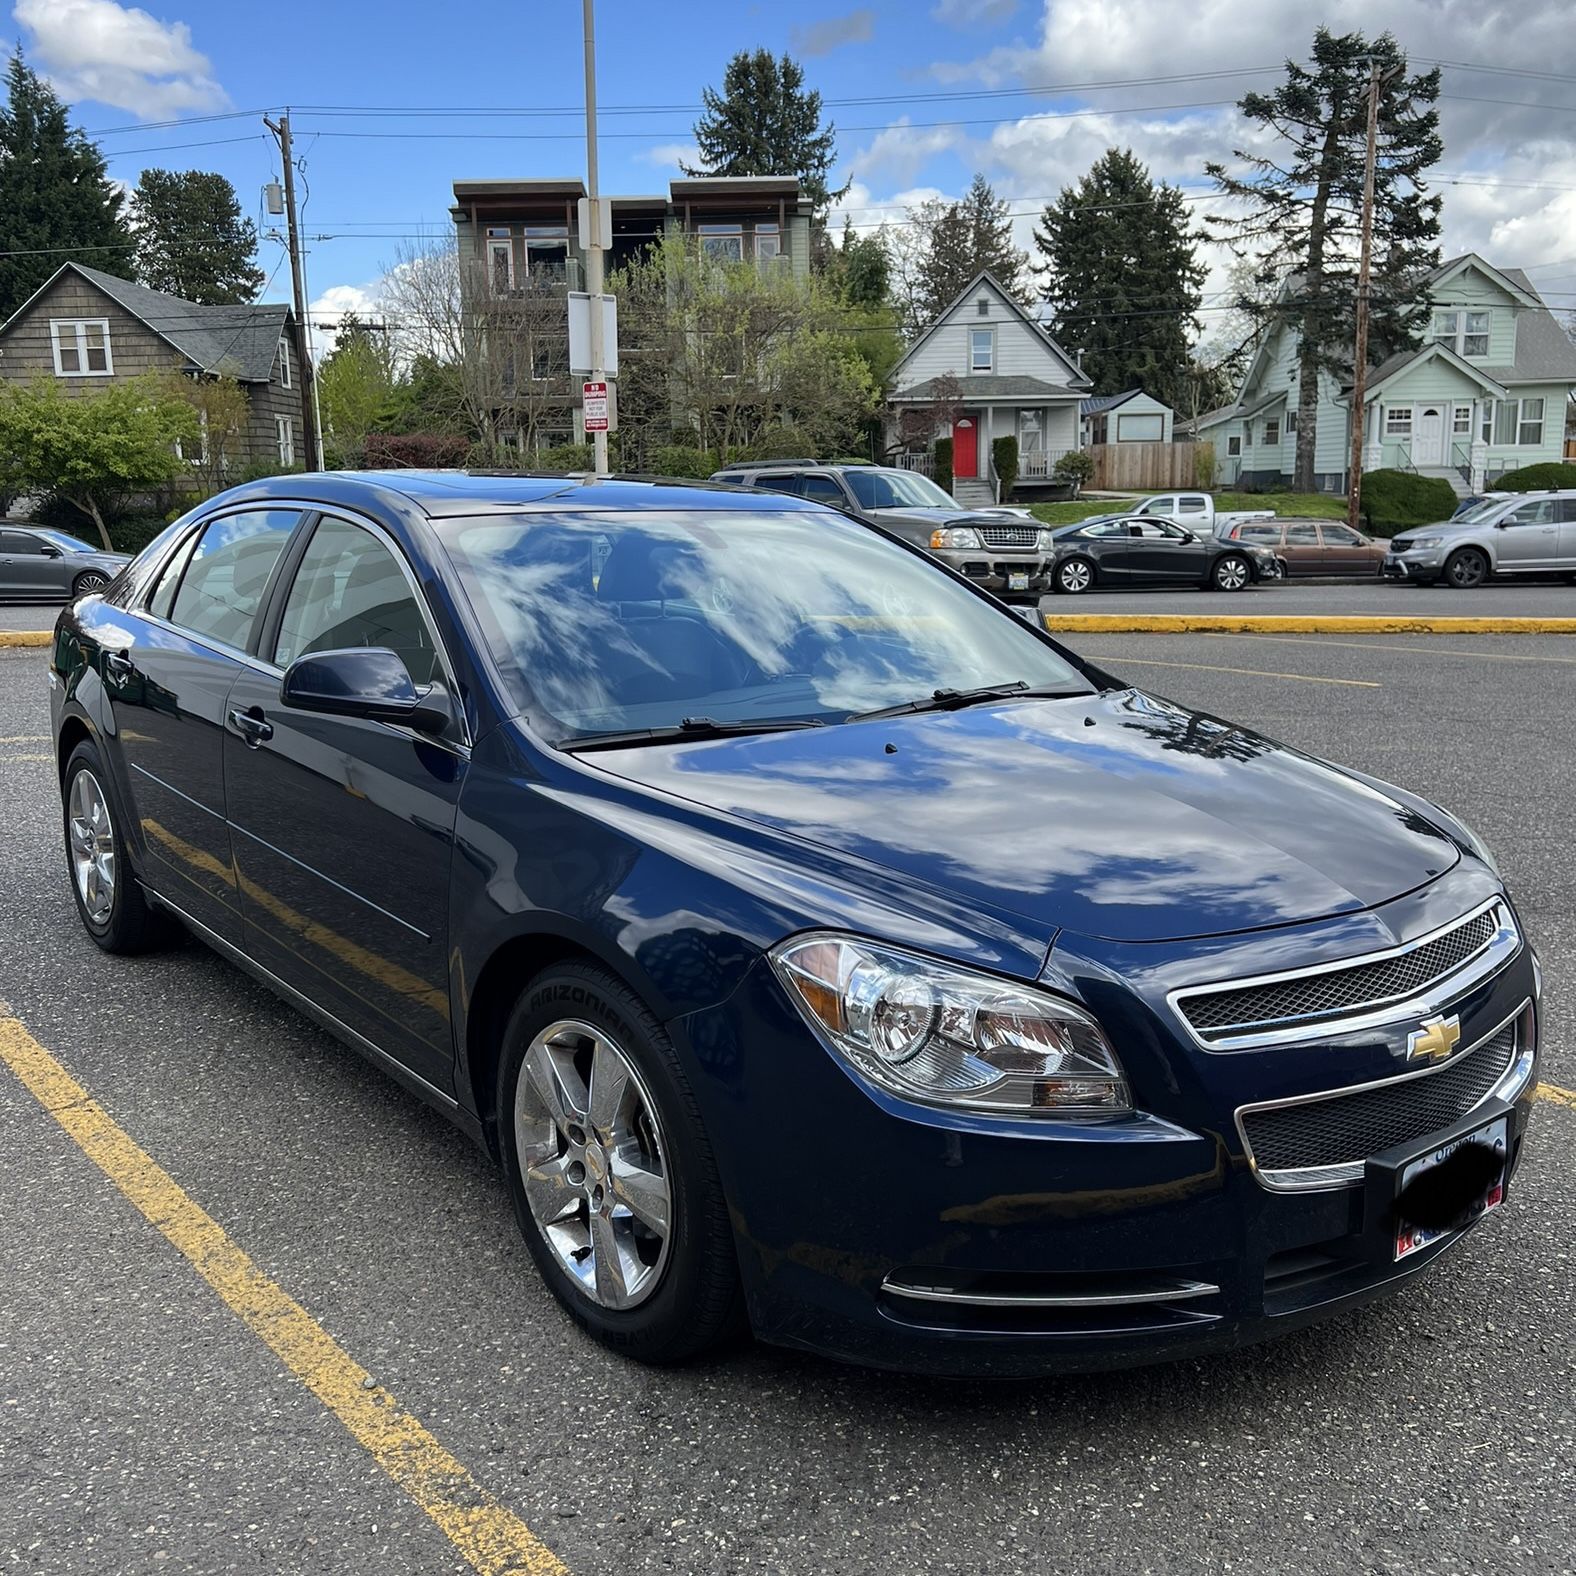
(1306, 506)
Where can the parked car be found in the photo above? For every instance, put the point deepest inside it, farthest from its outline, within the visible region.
(1196, 510)
(1129, 551)
(1518, 534)
(1472, 500)
(1311, 547)
(42, 565)
(1003, 550)
(894, 980)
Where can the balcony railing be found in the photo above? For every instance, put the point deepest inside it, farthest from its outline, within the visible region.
(1038, 464)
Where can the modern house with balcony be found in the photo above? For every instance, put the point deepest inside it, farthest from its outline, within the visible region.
(520, 256)
(1486, 392)
(985, 369)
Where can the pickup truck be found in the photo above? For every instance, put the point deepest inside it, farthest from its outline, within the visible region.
(1196, 510)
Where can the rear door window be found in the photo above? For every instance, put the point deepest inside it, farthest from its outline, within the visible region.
(825, 489)
(1302, 536)
(1263, 532)
(780, 482)
(1193, 503)
(221, 590)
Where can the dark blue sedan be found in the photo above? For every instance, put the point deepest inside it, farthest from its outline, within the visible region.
(817, 945)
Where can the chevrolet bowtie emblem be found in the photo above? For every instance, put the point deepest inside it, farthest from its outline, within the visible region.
(1435, 1040)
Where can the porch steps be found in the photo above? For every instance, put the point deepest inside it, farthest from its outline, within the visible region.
(1447, 473)
(973, 493)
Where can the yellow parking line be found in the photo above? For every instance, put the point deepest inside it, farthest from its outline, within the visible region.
(26, 637)
(24, 738)
(1556, 1095)
(489, 1536)
(1298, 624)
(1257, 673)
(1374, 645)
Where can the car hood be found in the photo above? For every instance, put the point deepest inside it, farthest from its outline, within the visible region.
(1118, 816)
(957, 516)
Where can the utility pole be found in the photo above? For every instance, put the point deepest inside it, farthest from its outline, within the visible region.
(311, 426)
(1377, 76)
(594, 259)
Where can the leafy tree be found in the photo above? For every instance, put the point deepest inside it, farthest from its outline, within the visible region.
(1122, 278)
(56, 199)
(971, 234)
(95, 450)
(222, 413)
(1302, 186)
(192, 239)
(766, 122)
(356, 386)
(862, 269)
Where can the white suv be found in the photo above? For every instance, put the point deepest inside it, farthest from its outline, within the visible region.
(1516, 534)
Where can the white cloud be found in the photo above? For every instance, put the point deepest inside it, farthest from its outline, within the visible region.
(821, 38)
(901, 149)
(973, 13)
(366, 301)
(119, 55)
(672, 156)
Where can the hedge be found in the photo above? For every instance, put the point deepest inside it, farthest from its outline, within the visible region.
(1004, 456)
(417, 451)
(1535, 478)
(941, 469)
(1394, 500)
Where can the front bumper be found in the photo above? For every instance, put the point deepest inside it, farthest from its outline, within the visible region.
(1073, 1246)
(1422, 565)
(998, 569)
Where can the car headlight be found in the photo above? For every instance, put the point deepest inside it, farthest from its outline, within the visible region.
(1426, 541)
(955, 536)
(1045, 541)
(948, 1036)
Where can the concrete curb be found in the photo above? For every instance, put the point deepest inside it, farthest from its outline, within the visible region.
(26, 637)
(1294, 624)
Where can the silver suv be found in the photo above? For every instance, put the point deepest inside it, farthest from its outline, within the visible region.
(1513, 534)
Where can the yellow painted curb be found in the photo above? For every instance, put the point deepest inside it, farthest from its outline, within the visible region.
(26, 637)
(1296, 624)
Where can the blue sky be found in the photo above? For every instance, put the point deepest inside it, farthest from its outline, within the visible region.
(1144, 73)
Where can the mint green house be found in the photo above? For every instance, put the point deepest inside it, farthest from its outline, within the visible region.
(1486, 392)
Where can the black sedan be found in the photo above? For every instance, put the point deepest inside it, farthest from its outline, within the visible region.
(42, 565)
(1130, 550)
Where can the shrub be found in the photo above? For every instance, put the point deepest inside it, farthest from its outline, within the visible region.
(562, 458)
(1204, 472)
(132, 532)
(1534, 478)
(1004, 457)
(1075, 468)
(781, 443)
(415, 451)
(678, 459)
(1393, 500)
(941, 466)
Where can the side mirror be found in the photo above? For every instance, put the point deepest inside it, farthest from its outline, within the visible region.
(364, 681)
(51, 552)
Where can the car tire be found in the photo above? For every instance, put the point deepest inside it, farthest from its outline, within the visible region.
(657, 1296)
(1074, 576)
(111, 904)
(1285, 568)
(1231, 572)
(1466, 569)
(89, 581)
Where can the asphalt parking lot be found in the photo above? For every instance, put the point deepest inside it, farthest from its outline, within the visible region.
(145, 1426)
(1384, 599)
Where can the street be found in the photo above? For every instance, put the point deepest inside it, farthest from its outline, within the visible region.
(1503, 599)
(144, 1426)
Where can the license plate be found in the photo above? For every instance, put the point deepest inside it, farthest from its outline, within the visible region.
(1018, 582)
(1410, 1238)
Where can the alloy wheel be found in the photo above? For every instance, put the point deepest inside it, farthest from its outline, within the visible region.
(594, 1163)
(1074, 577)
(1467, 569)
(1231, 574)
(92, 840)
(91, 582)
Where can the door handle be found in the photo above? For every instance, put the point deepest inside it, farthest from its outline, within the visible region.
(120, 667)
(253, 726)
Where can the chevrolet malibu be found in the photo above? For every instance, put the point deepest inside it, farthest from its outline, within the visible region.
(817, 946)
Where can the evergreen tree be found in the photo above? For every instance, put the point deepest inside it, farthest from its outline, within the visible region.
(56, 201)
(765, 122)
(192, 240)
(861, 269)
(971, 234)
(1122, 278)
(1303, 200)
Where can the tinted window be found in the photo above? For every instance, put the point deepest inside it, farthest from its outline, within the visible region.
(20, 542)
(351, 591)
(223, 585)
(1341, 536)
(1262, 532)
(823, 489)
(1567, 510)
(69, 544)
(779, 481)
(163, 594)
(1302, 536)
(1110, 528)
(1193, 505)
(1165, 505)
(1539, 513)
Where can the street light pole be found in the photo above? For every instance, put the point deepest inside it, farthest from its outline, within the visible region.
(594, 261)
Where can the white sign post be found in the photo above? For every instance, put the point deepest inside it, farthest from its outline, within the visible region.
(594, 402)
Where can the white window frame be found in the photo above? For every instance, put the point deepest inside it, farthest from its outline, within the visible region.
(500, 245)
(722, 243)
(1398, 421)
(1452, 326)
(1468, 334)
(1151, 425)
(989, 335)
(1517, 423)
(1291, 424)
(201, 456)
(1523, 422)
(284, 361)
(1272, 432)
(284, 434)
(79, 327)
(1234, 446)
(1461, 421)
(768, 243)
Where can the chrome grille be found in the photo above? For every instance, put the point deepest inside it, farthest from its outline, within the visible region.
(1334, 1134)
(1008, 535)
(1401, 544)
(1341, 990)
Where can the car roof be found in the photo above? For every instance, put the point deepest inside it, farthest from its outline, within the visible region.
(447, 493)
(804, 465)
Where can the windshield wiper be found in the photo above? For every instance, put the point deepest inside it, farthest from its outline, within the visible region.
(686, 728)
(956, 699)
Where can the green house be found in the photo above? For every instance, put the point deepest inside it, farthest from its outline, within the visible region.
(1486, 392)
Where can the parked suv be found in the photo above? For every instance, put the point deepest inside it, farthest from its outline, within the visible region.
(1524, 533)
(1001, 549)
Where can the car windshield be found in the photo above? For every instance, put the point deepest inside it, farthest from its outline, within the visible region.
(70, 544)
(897, 490)
(1479, 511)
(605, 623)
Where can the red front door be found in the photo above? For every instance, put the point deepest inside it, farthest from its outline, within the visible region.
(965, 455)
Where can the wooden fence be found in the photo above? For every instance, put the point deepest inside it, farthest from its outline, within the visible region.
(1143, 467)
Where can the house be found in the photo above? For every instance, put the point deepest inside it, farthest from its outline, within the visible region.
(520, 256)
(1486, 392)
(1133, 417)
(1004, 374)
(87, 328)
